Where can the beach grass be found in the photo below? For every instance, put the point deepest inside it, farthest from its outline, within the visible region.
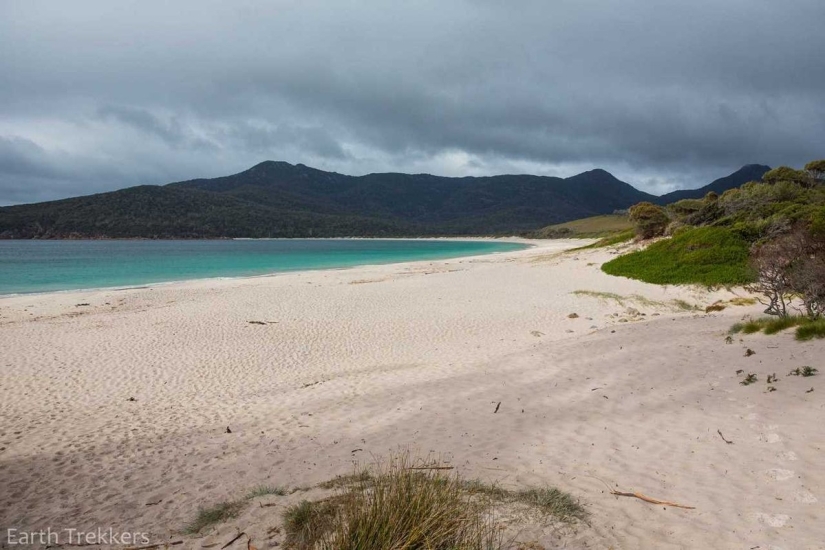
(405, 503)
(215, 514)
(265, 490)
(806, 329)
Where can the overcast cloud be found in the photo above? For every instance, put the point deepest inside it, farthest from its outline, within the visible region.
(99, 95)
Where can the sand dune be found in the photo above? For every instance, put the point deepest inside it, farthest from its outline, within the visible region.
(115, 413)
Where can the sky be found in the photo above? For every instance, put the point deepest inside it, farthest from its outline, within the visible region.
(101, 95)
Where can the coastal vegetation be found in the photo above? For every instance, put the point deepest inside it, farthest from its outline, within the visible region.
(710, 256)
(768, 234)
(806, 327)
(404, 502)
(604, 226)
(409, 504)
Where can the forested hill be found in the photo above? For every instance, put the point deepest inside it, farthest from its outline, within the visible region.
(749, 172)
(278, 199)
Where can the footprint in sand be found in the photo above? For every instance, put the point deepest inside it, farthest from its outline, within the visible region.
(805, 497)
(773, 520)
(779, 474)
(770, 438)
(787, 455)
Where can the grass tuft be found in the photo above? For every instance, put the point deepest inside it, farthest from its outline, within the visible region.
(810, 330)
(264, 490)
(409, 504)
(806, 329)
(214, 514)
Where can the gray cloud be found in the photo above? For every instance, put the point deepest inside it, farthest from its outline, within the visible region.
(98, 95)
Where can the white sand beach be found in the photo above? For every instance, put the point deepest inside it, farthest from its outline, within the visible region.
(115, 404)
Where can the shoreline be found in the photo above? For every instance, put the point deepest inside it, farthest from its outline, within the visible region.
(529, 243)
(116, 412)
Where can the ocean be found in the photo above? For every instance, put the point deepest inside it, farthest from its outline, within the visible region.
(28, 266)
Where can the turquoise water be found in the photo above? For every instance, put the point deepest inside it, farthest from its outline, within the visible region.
(43, 266)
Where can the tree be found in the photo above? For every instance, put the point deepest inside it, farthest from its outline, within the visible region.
(785, 173)
(789, 266)
(772, 261)
(650, 220)
(816, 170)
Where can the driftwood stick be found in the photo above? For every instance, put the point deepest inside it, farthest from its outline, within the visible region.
(497, 406)
(228, 544)
(645, 498)
(432, 468)
(723, 437)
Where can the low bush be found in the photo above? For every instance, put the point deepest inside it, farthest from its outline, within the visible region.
(710, 256)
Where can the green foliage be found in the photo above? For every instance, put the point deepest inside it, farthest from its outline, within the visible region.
(214, 514)
(649, 219)
(406, 504)
(806, 328)
(816, 170)
(811, 330)
(617, 238)
(281, 200)
(592, 227)
(816, 166)
(709, 256)
(785, 173)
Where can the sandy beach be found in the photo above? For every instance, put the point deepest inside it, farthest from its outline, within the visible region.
(132, 408)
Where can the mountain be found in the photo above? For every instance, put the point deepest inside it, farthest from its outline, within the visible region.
(749, 172)
(278, 199)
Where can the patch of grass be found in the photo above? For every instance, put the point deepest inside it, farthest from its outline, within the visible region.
(552, 502)
(772, 326)
(612, 240)
(710, 256)
(810, 330)
(548, 501)
(806, 328)
(307, 523)
(618, 298)
(683, 305)
(403, 503)
(593, 227)
(214, 514)
(715, 307)
(264, 490)
(740, 301)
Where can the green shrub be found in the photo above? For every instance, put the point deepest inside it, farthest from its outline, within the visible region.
(650, 220)
(710, 256)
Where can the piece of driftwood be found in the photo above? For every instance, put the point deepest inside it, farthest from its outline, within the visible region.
(231, 542)
(723, 437)
(497, 406)
(431, 468)
(651, 500)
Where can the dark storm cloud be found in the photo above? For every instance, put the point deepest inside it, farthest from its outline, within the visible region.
(99, 95)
